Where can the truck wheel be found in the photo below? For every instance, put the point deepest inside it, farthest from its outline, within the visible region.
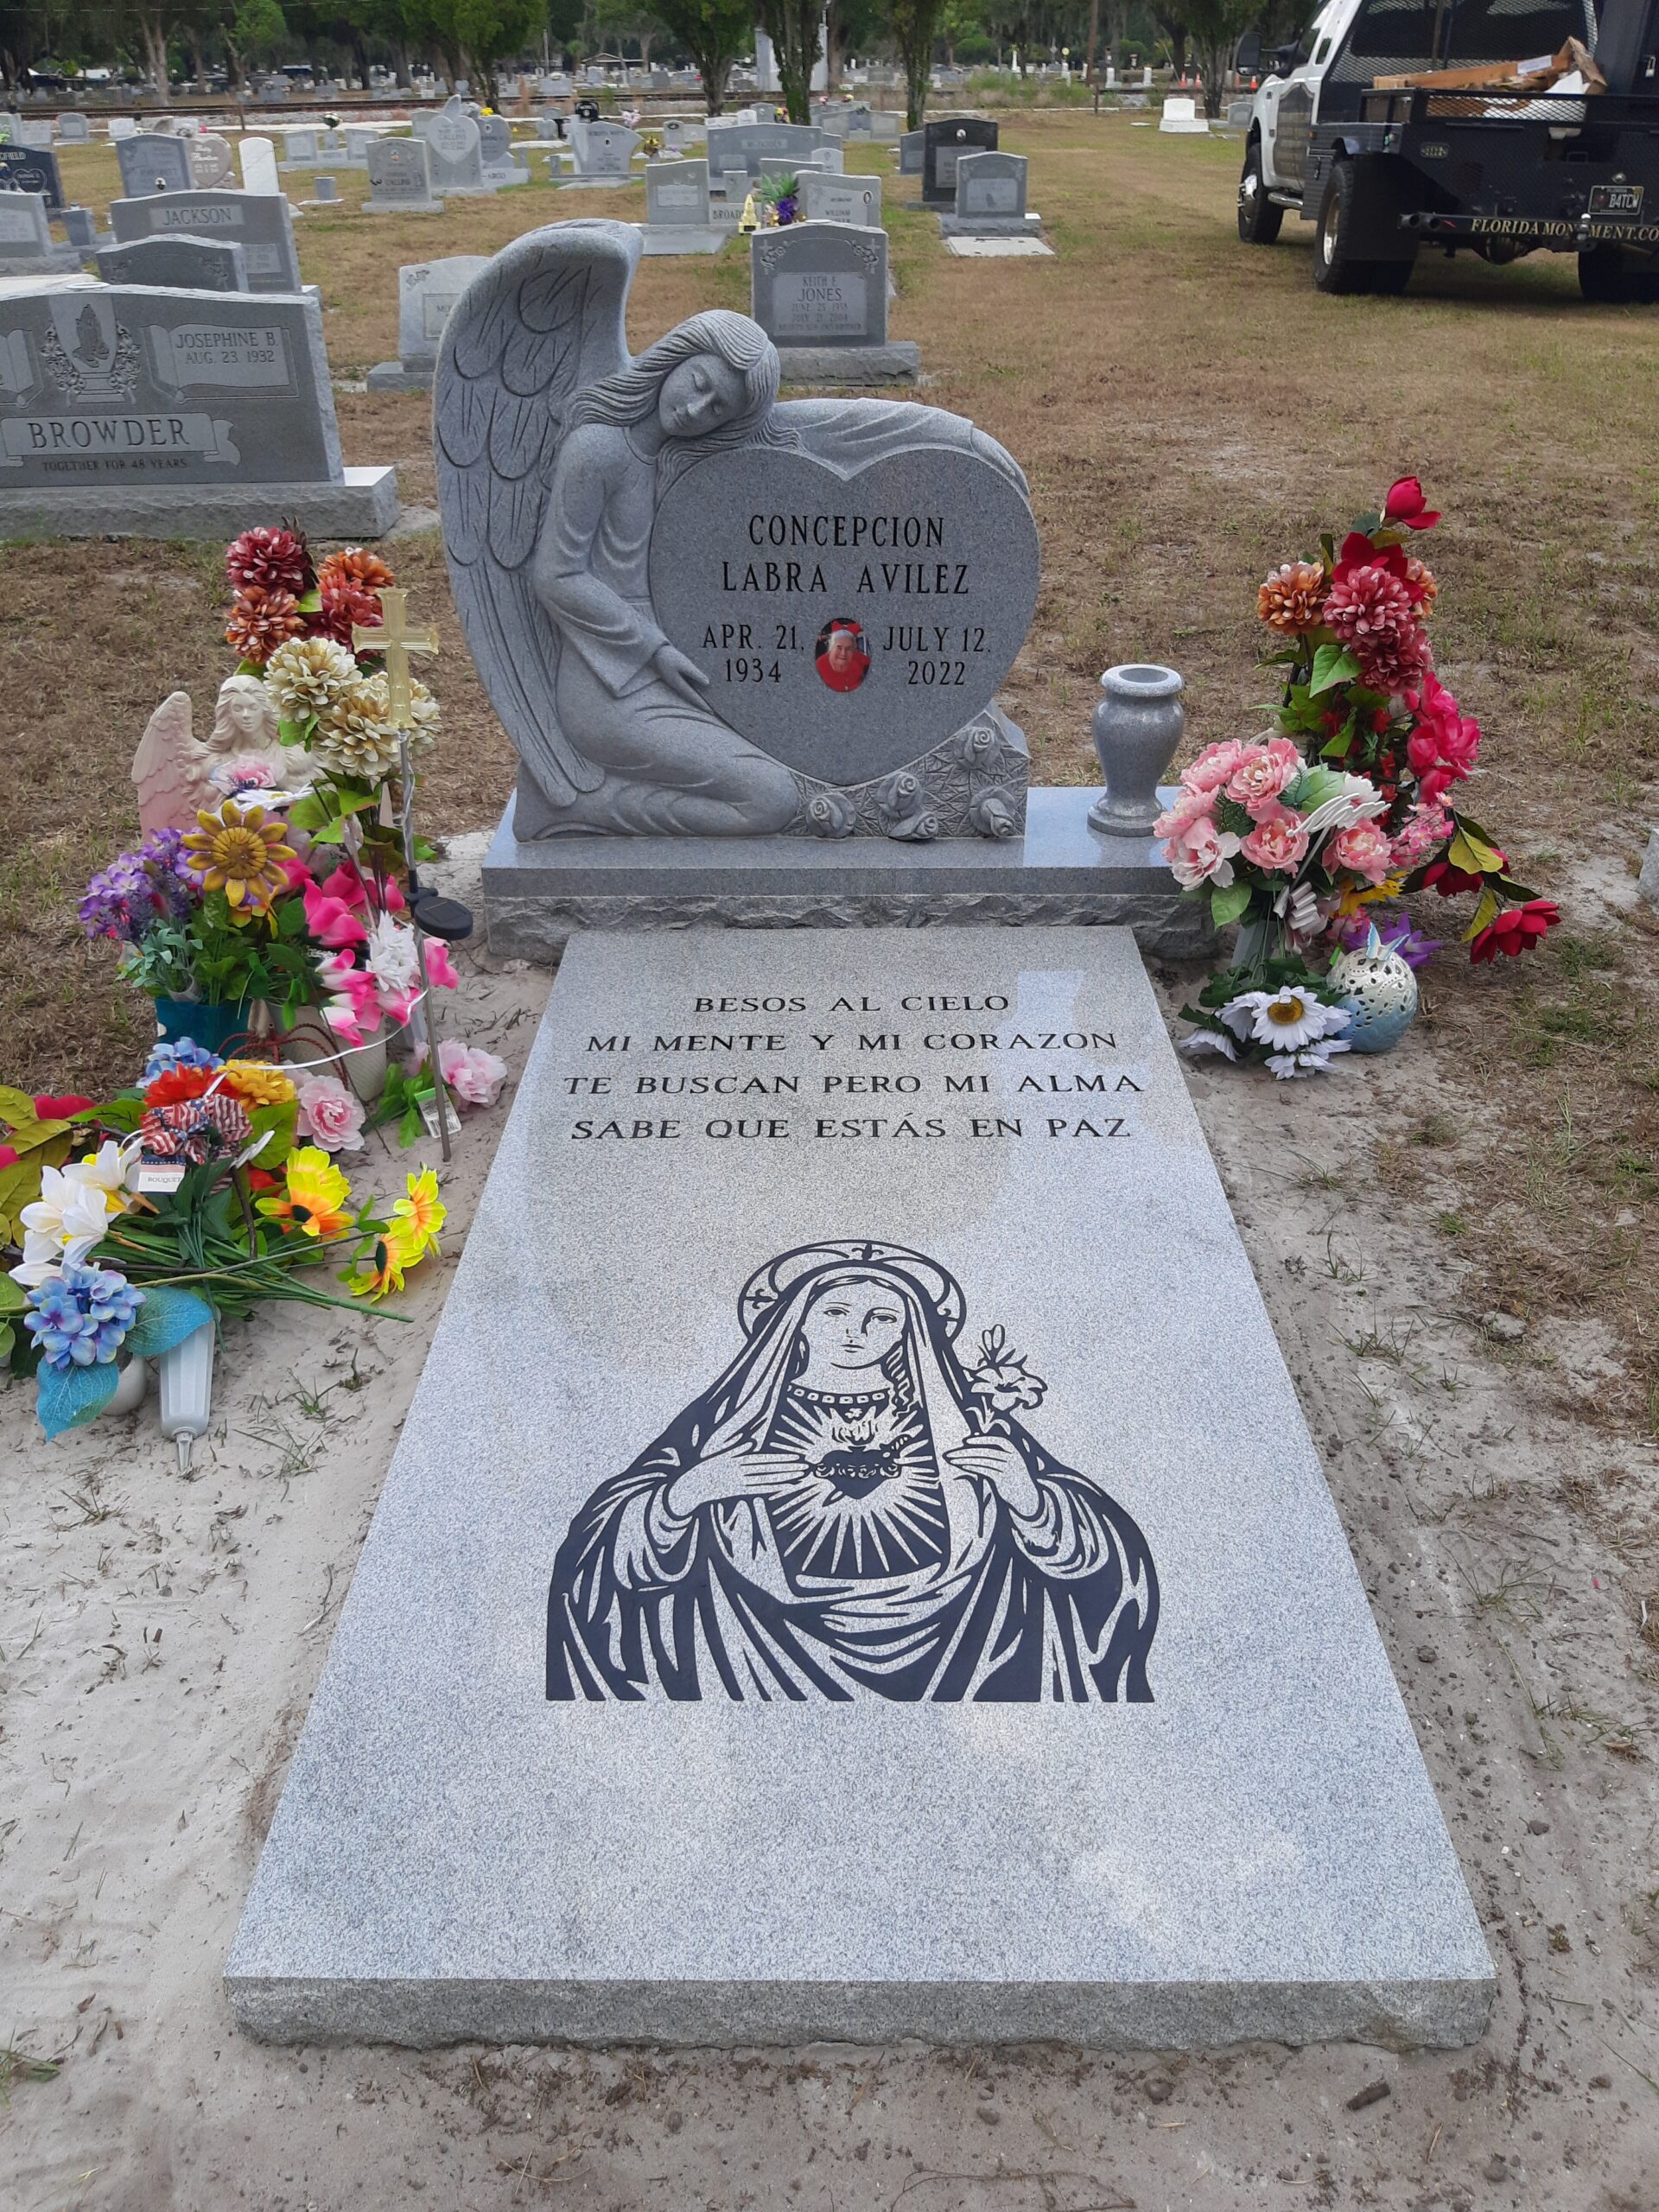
(1259, 220)
(1335, 268)
(1611, 277)
(1391, 277)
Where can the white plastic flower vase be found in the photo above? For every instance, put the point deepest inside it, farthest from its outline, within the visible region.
(310, 1047)
(130, 1389)
(1379, 989)
(184, 1385)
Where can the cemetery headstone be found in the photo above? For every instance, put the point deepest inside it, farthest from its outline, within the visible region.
(604, 152)
(25, 234)
(910, 153)
(163, 414)
(1180, 117)
(32, 168)
(826, 198)
(301, 149)
(740, 148)
(358, 139)
(427, 290)
(212, 162)
(455, 151)
(400, 178)
(74, 129)
(122, 126)
(178, 263)
(819, 291)
(79, 228)
(154, 162)
(943, 143)
(677, 217)
(258, 160)
(1066, 1738)
(325, 191)
(34, 130)
(261, 223)
(991, 201)
(495, 147)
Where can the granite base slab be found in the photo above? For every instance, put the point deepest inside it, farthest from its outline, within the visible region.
(1014, 248)
(364, 506)
(397, 376)
(900, 361)
(681, 239)
(991, 226)
(587, 1764)
(535, 893)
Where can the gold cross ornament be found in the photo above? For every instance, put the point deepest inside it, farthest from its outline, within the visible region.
(393, 638)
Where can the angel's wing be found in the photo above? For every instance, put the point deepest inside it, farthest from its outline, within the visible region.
(166, 768)
(540, 324)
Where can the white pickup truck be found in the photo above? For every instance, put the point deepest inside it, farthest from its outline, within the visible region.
(1383, 174)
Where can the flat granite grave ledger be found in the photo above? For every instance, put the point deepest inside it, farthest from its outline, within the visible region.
(153, 162)
(149, 413)
(427, 292)
(677, 218)
(400, 178)
(863, 1631)
(182, 262)
(32, 168)
(943, 142)
(819, 291)
(261, 223)
(828, 199)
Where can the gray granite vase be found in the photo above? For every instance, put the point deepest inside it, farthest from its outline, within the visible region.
(1138, 725)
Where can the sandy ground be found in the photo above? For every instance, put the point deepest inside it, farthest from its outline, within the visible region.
(160, 1639)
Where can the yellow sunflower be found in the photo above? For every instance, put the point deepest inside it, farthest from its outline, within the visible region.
(387, 1264)
(238, 851)
(421, 1215)
(314, 1198)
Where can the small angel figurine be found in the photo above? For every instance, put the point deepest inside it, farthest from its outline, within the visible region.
(176, 773)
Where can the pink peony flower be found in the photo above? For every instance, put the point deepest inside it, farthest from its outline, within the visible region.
(1262, 773)
(475, 1076)
(1364, 850)
(1278, 842)
(1214, 766)
(1210, 771)
(1200, 853)
(329, 1114)
(1189, 805)
(1374, 615)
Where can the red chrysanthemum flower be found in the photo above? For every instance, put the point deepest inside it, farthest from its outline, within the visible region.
(261, 620)
(1373, 614)
(345, 607)
(1517, 929)
(353, 564)
(275, 560)
(178, 1085)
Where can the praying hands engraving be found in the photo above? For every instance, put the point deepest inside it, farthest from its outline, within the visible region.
(848, 1510)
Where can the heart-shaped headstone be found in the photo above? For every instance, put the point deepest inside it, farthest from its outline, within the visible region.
(924, 561)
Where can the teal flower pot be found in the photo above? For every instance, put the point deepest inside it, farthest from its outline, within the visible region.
(211, 1026)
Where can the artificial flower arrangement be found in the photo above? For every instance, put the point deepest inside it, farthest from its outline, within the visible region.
(1346, 801)
(780, 198)
(288, 898)
(119, 1260)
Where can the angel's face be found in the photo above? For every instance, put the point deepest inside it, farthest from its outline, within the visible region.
(702, 394)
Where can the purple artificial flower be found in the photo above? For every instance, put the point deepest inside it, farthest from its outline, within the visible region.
(125, 899)
(1399, 933)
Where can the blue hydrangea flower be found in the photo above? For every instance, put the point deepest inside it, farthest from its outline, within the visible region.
(168, 1053)
(80, 1316)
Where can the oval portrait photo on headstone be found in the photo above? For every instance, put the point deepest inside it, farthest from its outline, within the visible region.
(843, 654)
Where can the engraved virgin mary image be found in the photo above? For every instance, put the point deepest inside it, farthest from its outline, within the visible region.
(850, 1510)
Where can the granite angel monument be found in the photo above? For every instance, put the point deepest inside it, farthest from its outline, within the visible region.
(556, 454)
(853, 1509)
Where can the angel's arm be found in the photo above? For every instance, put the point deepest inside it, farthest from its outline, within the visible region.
(614, 639)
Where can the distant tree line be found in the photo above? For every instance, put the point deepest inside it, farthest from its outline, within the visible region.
(158, 42)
